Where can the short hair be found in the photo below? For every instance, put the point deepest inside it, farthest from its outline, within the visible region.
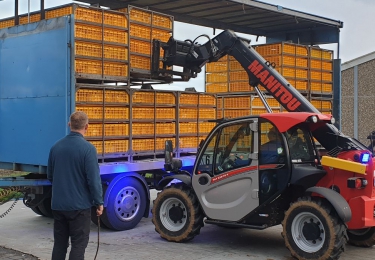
(78, 120)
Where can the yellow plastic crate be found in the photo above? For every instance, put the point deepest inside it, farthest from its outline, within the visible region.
(165, 113)
(116, 146)
(139, 15)
(95, 130)
(207, 113)
(322, 105)
(88, 66)
(188, 113)
(219, 113)
(220, 102)
(116, 129)
(208, 100)
(161, 35)
(302, 62)
(141, 31)
(115, 19)
(206, 127)
(116, 96)
(302, 50)
(143, 128)
(327, 65)
(217, 87)
(327, 88)
(93, 112)
(140, 46)
(86, 31)
(143, 97)
(237, 102)
(232, 113)
(281, 60)
(327, 54)
(88, 14)
(98, 145)
(318, 75)
(188, 99)
(238, 75)
(235, 65)
(24, 19)
(188, 142)
(301, 84)
(115, 35)
(188, 128)
(89, 95)
(216, 77)
(116, 113)
(115, 52)
(258, 111)
(88, 49)
(165, 128)
(115, 69)
(140, 145)
(165, 98)
(162, 20)
(6, 23)
(61, 11)
(320, 87)
(269, 49)
(143, 113)
(217, 66)
(140, 62)
(257, 102)
(302, 73)
(239, 86)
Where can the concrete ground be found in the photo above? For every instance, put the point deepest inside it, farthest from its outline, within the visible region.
(31, 234)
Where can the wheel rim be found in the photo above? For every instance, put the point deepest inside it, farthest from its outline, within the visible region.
(308, 232)
(127, 203)
(173, 214)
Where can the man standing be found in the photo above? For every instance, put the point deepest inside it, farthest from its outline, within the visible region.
(76, 186)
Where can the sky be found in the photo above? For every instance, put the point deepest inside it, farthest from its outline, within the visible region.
(357, 37)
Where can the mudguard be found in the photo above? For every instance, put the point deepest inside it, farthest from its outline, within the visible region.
(181, 177)
(338, 202)
(131, 175)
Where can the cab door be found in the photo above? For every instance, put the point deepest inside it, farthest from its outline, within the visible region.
(225, 177)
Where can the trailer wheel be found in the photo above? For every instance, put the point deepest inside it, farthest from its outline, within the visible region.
(126, 205)
(313, 230)
(176, 214)
(45, 208)
(36, 210)
(362, 237)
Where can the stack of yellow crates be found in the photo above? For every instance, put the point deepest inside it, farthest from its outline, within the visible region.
(144, 26)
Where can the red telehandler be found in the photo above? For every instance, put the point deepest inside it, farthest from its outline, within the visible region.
(261, 171)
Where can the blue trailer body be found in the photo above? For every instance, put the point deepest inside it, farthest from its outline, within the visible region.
(35, 93)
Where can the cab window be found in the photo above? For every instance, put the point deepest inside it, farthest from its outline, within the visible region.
(300, 144)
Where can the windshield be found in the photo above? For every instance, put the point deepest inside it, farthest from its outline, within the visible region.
(300, 144)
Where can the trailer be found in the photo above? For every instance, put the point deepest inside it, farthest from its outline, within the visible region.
(38, 91)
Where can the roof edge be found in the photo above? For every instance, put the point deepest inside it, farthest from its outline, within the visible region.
(358, 61)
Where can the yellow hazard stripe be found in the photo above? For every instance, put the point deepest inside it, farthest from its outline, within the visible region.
(344, 165)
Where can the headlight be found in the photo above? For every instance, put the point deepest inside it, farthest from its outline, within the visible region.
(333, 120)
(314, 119)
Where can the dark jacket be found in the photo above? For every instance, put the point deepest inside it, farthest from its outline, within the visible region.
(73, 170)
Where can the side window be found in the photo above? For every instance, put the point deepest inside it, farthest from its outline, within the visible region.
(271, 149)
(235, 147)
(207, 161)
(300, 145)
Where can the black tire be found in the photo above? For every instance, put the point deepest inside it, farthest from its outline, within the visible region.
(312, 230)
(36, 210)
(176, 214)
(45, 208)
(126, 205)
(362, 237)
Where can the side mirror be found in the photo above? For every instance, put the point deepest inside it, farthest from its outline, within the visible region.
(170, 163)
(168, 151)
